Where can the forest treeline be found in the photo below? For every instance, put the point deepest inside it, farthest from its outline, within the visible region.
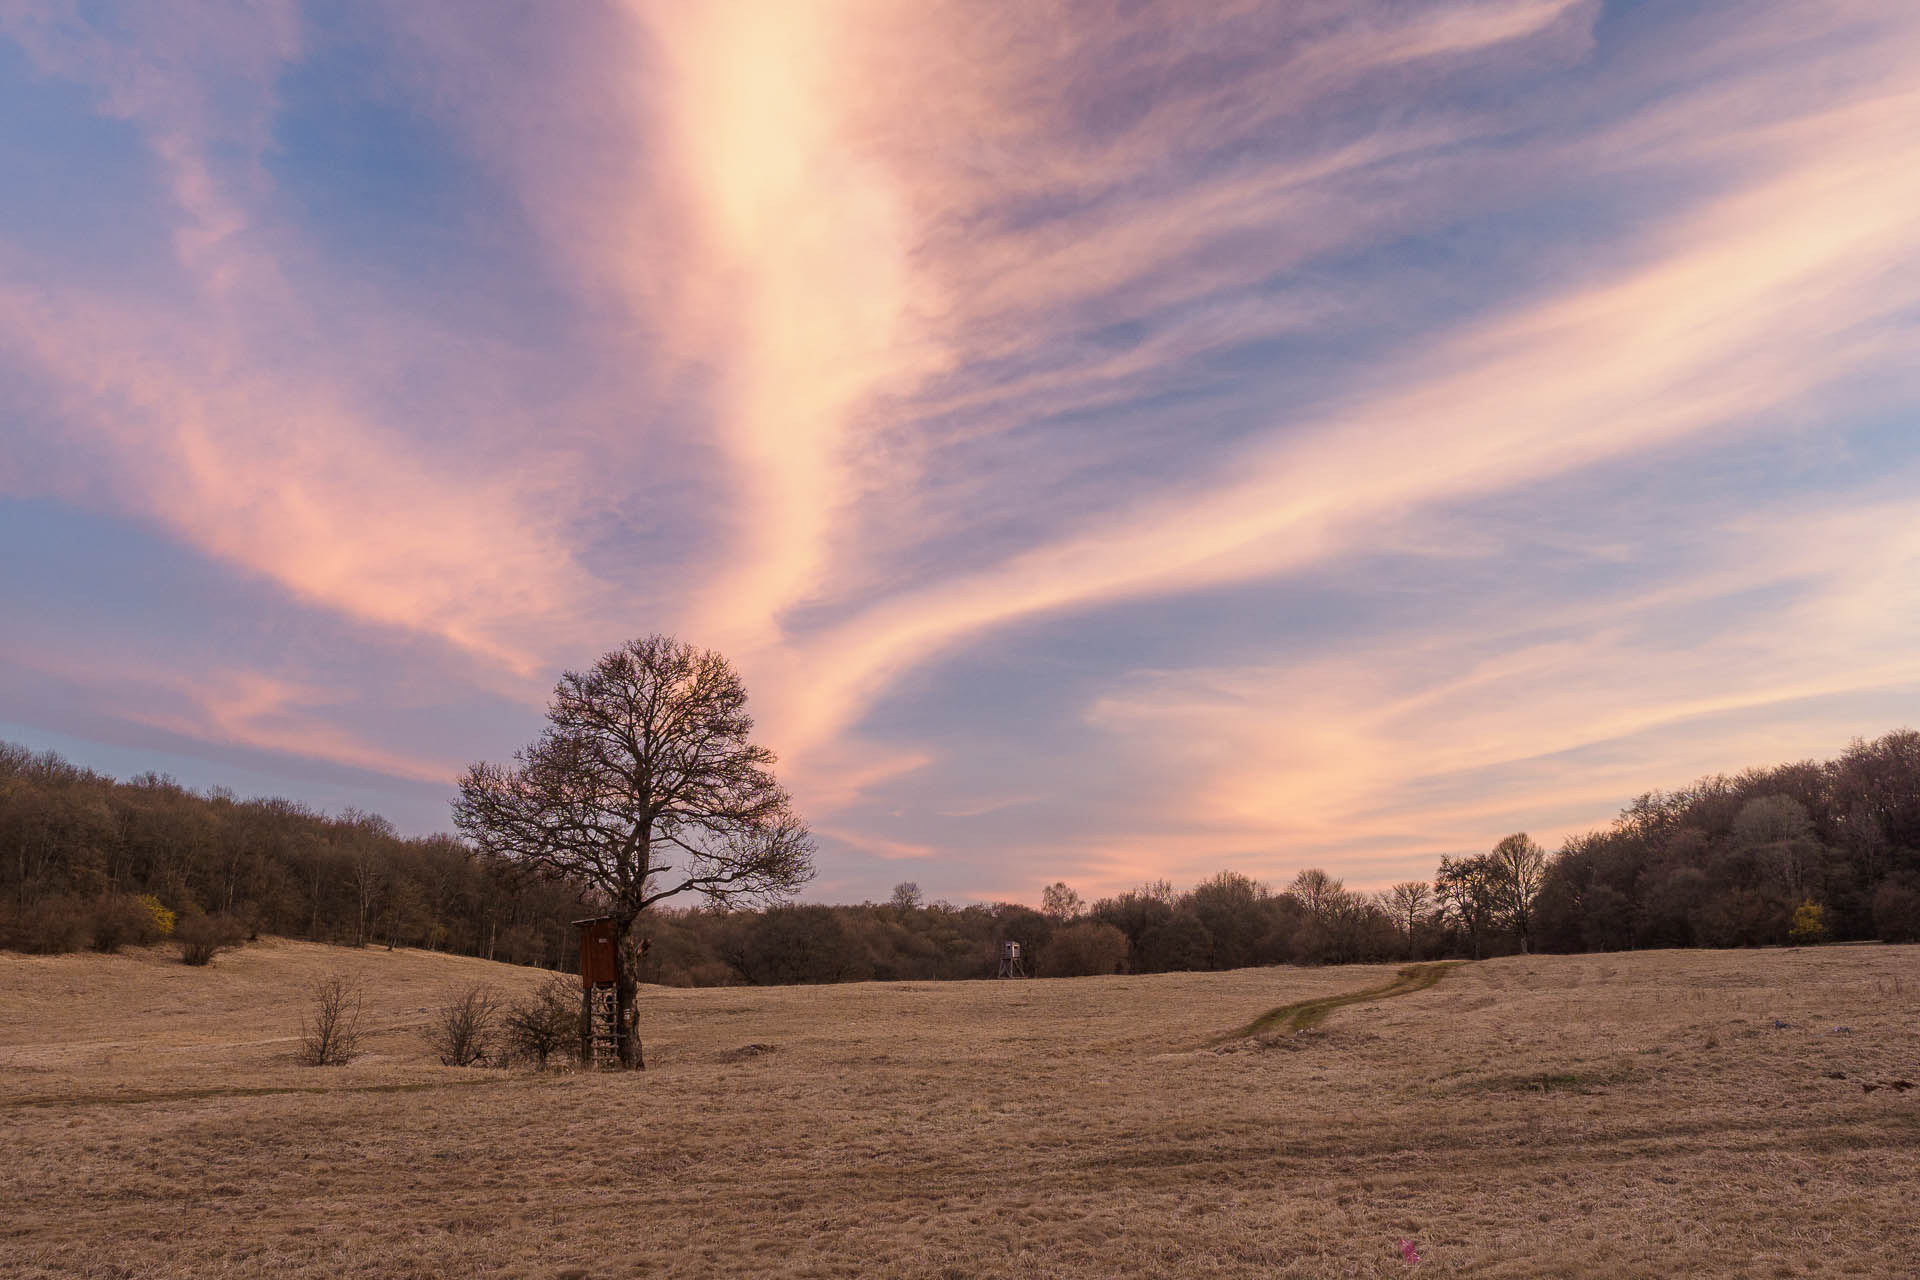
(1802, 852)
(76, 845)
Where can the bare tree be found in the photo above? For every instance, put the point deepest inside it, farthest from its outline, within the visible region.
(462, 1029)
(907, 896)
(1467, 890)
(1408, 902)
(1060, 903)
(644, 785)
(367, 867)
(1319, 893)
(330, 1037)
(1777, 833)
(1519, 868)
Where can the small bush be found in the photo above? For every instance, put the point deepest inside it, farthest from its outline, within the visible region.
(462, 1031)
(52, 926)
(545, 1023)
(1083, 950)
(119, 920)
(1809, 923)
(330, 1035)
(201, 938)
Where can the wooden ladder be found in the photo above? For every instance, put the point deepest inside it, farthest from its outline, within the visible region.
(605, 1027)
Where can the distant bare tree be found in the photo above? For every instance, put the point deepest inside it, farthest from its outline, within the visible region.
(1408, 901)
(367, 867)
(1467, 890)
(330, 1035)
(1777, 833)
(907, 896)
(1059, 903)
(1519, 867)
(1319, 893)
(644, 785)
(462, 1030)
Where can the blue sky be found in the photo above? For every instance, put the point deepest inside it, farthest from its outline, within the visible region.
(1227, 435)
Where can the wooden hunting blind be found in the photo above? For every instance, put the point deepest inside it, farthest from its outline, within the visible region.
(596, 952)
(599, 999)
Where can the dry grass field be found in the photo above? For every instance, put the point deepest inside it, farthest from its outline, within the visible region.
(1619, 1115)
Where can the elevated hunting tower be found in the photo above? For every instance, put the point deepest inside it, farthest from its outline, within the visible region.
(1010, 966)
(599, 1004)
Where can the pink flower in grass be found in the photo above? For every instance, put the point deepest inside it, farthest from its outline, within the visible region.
(1409, 1254)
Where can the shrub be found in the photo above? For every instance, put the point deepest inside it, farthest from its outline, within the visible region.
(1082, 950)
(201, 938)
(118, 920)
(1809, 923)
(1896, 911)
(545, 1023)
(52, 926)
(330, 1036)
(462, 1030)
(161, 919)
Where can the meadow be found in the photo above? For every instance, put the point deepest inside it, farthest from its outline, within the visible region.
(1710, 1113)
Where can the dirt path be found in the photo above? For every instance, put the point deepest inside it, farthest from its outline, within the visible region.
(1303, 1014)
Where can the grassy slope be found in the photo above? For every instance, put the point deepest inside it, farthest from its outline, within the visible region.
(1570, 1116)
(141, 1019)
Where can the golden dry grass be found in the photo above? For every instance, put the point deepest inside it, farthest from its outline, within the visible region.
(1613, 1115)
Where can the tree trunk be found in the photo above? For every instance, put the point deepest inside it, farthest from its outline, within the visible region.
(626, 985)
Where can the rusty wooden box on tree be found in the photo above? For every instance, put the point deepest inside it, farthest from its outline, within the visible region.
(596, 952)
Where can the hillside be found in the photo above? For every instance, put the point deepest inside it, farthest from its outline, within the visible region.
(141, 1019)
(1699, 1112)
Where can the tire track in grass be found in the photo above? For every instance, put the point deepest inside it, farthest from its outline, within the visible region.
(1303, 1014)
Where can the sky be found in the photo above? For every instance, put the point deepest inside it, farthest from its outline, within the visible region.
(1113, 441)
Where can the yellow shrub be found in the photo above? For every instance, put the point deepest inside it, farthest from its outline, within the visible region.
(162, 918)
(1809, 923)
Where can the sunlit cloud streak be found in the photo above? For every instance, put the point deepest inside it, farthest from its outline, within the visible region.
(1400, 748)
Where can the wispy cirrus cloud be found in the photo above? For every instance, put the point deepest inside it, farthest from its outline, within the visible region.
(288, 481)
(1748, 306)
(1416, 741)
